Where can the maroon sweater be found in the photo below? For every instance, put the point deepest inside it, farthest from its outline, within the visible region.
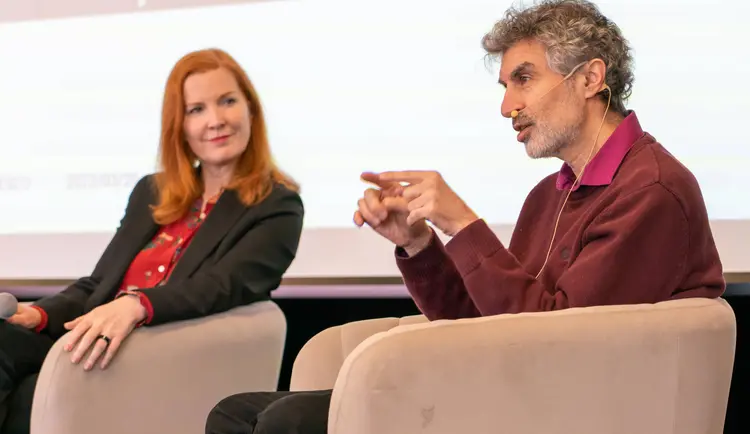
(635, 231)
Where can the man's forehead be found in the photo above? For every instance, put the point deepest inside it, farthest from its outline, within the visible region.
(522, 55)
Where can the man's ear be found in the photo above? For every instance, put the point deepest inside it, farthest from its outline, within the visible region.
(596, 76)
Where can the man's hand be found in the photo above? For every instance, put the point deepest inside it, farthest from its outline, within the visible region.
(26, 316)
(114, 320)
(386, 211)
(429, 198)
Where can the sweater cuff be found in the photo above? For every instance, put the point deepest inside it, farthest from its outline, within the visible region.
(472, 245)
(43, 324)
(424, 264)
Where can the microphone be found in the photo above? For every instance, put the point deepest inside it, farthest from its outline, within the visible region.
(8, 305)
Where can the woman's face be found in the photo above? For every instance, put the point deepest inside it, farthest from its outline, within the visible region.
(217, 118)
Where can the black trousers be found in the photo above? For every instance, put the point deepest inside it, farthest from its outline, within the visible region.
(22, 353)
(271, 413)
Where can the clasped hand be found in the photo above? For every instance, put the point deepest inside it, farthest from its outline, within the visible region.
(425, 197)
(115, 320)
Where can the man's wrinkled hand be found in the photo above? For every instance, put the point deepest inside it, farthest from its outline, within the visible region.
(386, 211)
(428, 197)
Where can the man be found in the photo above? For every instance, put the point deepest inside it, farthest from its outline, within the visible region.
(622, 222)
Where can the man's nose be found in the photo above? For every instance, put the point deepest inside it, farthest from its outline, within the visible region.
(510, 105)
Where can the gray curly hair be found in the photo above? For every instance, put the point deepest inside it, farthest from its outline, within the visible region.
(573, 31)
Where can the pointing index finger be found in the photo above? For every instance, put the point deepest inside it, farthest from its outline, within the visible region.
(410, 176)
(374, 178)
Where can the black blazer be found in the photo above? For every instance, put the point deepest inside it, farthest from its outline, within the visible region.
(237, 256)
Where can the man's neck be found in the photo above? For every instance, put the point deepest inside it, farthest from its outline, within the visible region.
(579, 153)
(215, 178)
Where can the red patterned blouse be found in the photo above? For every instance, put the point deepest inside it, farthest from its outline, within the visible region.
(153, 265)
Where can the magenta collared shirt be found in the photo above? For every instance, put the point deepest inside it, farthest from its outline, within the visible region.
(601, 169)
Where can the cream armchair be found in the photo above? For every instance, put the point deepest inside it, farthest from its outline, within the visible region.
(660, 368)
(165, 379)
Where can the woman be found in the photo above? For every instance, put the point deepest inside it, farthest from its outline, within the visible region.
(216, 228)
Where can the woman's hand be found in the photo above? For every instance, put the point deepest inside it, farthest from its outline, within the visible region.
(26, 316)
(114, 320)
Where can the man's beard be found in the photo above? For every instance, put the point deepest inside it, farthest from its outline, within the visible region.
(545, 141)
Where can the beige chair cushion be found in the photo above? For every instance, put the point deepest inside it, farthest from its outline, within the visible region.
(655, 368)
(165, 379)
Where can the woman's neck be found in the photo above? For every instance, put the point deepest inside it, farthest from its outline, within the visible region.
(215, 179)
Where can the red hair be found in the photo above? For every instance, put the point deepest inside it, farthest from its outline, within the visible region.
(177, 182)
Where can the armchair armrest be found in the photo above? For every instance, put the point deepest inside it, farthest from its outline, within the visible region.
(164, 379)
(318, 362)
(616, 369)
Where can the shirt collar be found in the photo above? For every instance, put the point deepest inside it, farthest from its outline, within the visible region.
(602, 168)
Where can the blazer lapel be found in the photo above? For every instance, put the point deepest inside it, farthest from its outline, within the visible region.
(143, 231)
(221, 218)
(140, 231)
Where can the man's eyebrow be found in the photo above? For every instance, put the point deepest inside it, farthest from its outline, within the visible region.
(518, 71)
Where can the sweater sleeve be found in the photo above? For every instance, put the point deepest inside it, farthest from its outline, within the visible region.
(434, 283)
(633, 252)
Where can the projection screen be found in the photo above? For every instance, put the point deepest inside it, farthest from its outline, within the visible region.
(348, 86)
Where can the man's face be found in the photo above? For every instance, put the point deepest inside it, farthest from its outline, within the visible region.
(551, 111)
